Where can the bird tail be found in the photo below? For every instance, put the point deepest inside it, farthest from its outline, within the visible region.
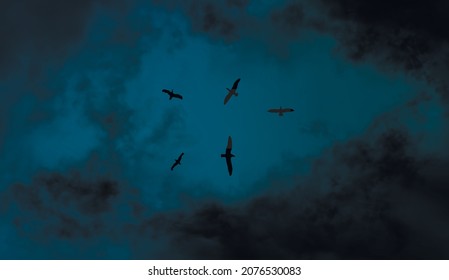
(232, 155)
(236, 93)
(171, 96)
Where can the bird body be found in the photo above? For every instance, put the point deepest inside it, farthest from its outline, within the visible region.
(281, 111)
(172, 94)
(177, 161)
(228, 155)
(232, 91)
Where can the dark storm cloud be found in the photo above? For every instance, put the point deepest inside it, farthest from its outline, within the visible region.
(406, 30)
(65, 205)
(397, 35)
(45, 44)
(365, 199)
(417, 26)
(369, 198)
(35, 32)
(225, 19)
(403, 32)
(110, 39)
(289, 18)
(56, 195)
(97, 201)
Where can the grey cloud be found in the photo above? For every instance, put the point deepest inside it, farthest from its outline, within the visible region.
(33, 33)
(378, 200)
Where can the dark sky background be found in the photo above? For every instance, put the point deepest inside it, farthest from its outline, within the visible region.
(87, 138)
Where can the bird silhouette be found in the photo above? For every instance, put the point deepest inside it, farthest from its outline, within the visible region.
(232, 91)
(172, 94)
(228, 155)
(281, 111)
(177, 161)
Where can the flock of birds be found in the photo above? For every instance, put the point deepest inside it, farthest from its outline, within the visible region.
(231, 92)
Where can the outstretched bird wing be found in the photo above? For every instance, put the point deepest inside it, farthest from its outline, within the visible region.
(229, 146)
(173, 166)
(229, 164)
(166, 91)
(283, 110)
(227, 97)
(274, 110)
(175, 95)
(228, 155)
(236, 84)
(180, 156)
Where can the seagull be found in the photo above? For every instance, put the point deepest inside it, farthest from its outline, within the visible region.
(177, 161)
(281, 111)
(232, 91)
(228, 155)
(172, 94)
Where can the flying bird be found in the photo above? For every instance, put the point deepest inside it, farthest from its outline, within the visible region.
(281, 111)
(232, 91)
(177, 161)
(172, 94)
(228, 155)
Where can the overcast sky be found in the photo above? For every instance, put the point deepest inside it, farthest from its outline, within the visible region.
(87, 137)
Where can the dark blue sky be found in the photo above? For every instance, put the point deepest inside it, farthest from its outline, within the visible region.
(87, 137)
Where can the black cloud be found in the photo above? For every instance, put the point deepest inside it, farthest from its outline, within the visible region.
(365, 199)
(224, 19)
(399, 35)
(378, 199)
(45, 31)
(405, 32)
(64, 205)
